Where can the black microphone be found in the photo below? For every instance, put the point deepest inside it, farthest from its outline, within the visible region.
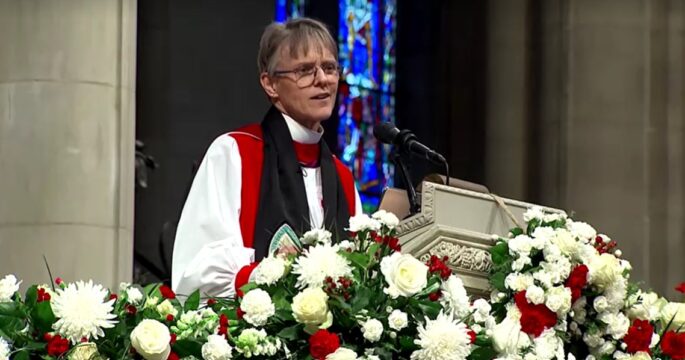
(387, 133)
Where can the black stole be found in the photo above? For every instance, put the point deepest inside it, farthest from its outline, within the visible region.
(282, 196)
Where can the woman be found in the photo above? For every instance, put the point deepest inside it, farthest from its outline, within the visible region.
(257, 178)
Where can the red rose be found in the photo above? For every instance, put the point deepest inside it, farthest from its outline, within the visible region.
(167, 293)
(534, 318)
(639, 336)
(576, 281)
(673, 345)
(57, 346)
(681, 287)
(323, 343)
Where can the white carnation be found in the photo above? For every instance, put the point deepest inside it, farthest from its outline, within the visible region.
(5, 349)
(507, 337)
(521, 262)
(216, 348)
(8, 286)
(548, 346)
(542, 236)
(134, 295)
(617, 324)
(269, 270)
(518, 281)
(532, 213)
(566, 242)
(346, 245)
(342, 354)
(258, 307)
(397, 320)
(442, 339)
(535, 294)
(317, 236)
(520, 245)
(372, 330)
(582, 231)
(151, 340)
(674, 313)
(82, 311)
(363, 222)
(481, 310)
(559, 300)
(454, 296)
(319, 262)
(404, 274)
(604, 270)
(386, 218)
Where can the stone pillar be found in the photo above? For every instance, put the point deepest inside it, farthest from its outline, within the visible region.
(67, 132)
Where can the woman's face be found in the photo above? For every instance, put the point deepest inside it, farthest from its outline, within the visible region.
(304, 87)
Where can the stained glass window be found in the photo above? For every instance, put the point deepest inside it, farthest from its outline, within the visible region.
(366, 49)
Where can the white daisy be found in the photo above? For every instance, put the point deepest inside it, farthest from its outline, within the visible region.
(82, 311)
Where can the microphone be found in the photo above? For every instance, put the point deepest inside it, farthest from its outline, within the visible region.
(387, 133)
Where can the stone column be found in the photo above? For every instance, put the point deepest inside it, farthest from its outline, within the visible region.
(67, 131)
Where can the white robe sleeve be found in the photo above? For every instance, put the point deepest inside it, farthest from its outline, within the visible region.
(208, 250)
(357, 203)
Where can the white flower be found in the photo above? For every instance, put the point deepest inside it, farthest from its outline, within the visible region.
(82, 311)
(5, 349)
(646, 306)
(315, 236)
(372, 330)
(84, 351)
(559, 299)
(319, 262)
(454, 296)
(342, 354)
(386, 218)
(404, 274)
(616, 294)
(521, 262)
(520, 245)
(397, 320)
(604, 270)
(442, 339)
(548, 346)
(363, 222)
(534, 212)
(579, 312)
(581, 230)
(216, 348)
(565, 241)
(553, 217)
(167, 308)
(535, 294)
(257, 306)
(151, 339)
(347, 245)
(675, 313)
(641, 355)
(134, 295)
(507, 337)
(8, 286)
(518, 281)
(151, 302)
(481, 310)
(269, 270)
(310, 307)
(600, 304)
(617, 324)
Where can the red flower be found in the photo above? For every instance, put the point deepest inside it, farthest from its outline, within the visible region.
(211, 302)
(534, 318)
(169, 318)
(172, 356)
(323, 343)
(173, 339)
(58, 281)
(113, 297)
(681, 287)
(167, 293)
(57, 346)
(394, 244)
(673, 345)
(436, 265)
(576, 281)
(239, 313)
(43, 295)
(131, 309)
(639, 336)
(435, 296)
(223, 326)
(472, 334)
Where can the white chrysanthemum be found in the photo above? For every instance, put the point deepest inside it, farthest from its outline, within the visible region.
(319, 262)
(566, 242)
(269, 270)
(372, 330)
(363, 222)
(4, 349)
(442, 339)
(342, 354)
(317, 236)
(8, 286)
(82, 311)
(216, 348)
(398, 320)
(134, 295)
(386, 218)
(454, 297)
(258, 307)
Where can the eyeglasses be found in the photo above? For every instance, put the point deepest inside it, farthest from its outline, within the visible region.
(305, 75)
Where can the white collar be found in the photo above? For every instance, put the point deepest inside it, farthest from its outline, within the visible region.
(302, 134)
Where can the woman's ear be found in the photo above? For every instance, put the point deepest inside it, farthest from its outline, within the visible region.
(268, 85)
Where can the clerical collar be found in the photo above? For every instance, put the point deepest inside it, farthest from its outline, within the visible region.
(302, 134)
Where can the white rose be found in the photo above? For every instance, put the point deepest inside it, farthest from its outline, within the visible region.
(604, 270)
(310, 307)
(535, 294)
(372, 330)
(83, 351)
(386, 218)
(397, 320)
(559, 299)
(404, 274)
(565, 241)
(134, 295)
(518, 281)
(363, 222)
(342, 354)
(637, 356)
(151, 340)
(216, 348)
(675, 312)
(166, 308)
(317, 236)
(646, 306)
(257, 306)
(8, 286)
(269, 271)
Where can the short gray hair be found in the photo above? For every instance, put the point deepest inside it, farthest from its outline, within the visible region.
(297, 35)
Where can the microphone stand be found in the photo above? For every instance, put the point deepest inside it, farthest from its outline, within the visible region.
(396, 158)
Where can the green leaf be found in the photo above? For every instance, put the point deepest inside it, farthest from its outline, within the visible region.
(534, 223)
(500, 253)
(150, 289)
(11, 309)
(430, 308)
(516, 232)
(31, 296)
(247, 287)
(43, 317)
(285, 315)
(361, 299)
(483, 341)
(497, 281)
(193, 301)
(290, 333)
(483, 353)
(407, 343)
(188, 348)
(358, 259)
(22, 355)
(373, 249)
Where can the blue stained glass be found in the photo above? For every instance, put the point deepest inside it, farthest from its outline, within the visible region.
(289, 9)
